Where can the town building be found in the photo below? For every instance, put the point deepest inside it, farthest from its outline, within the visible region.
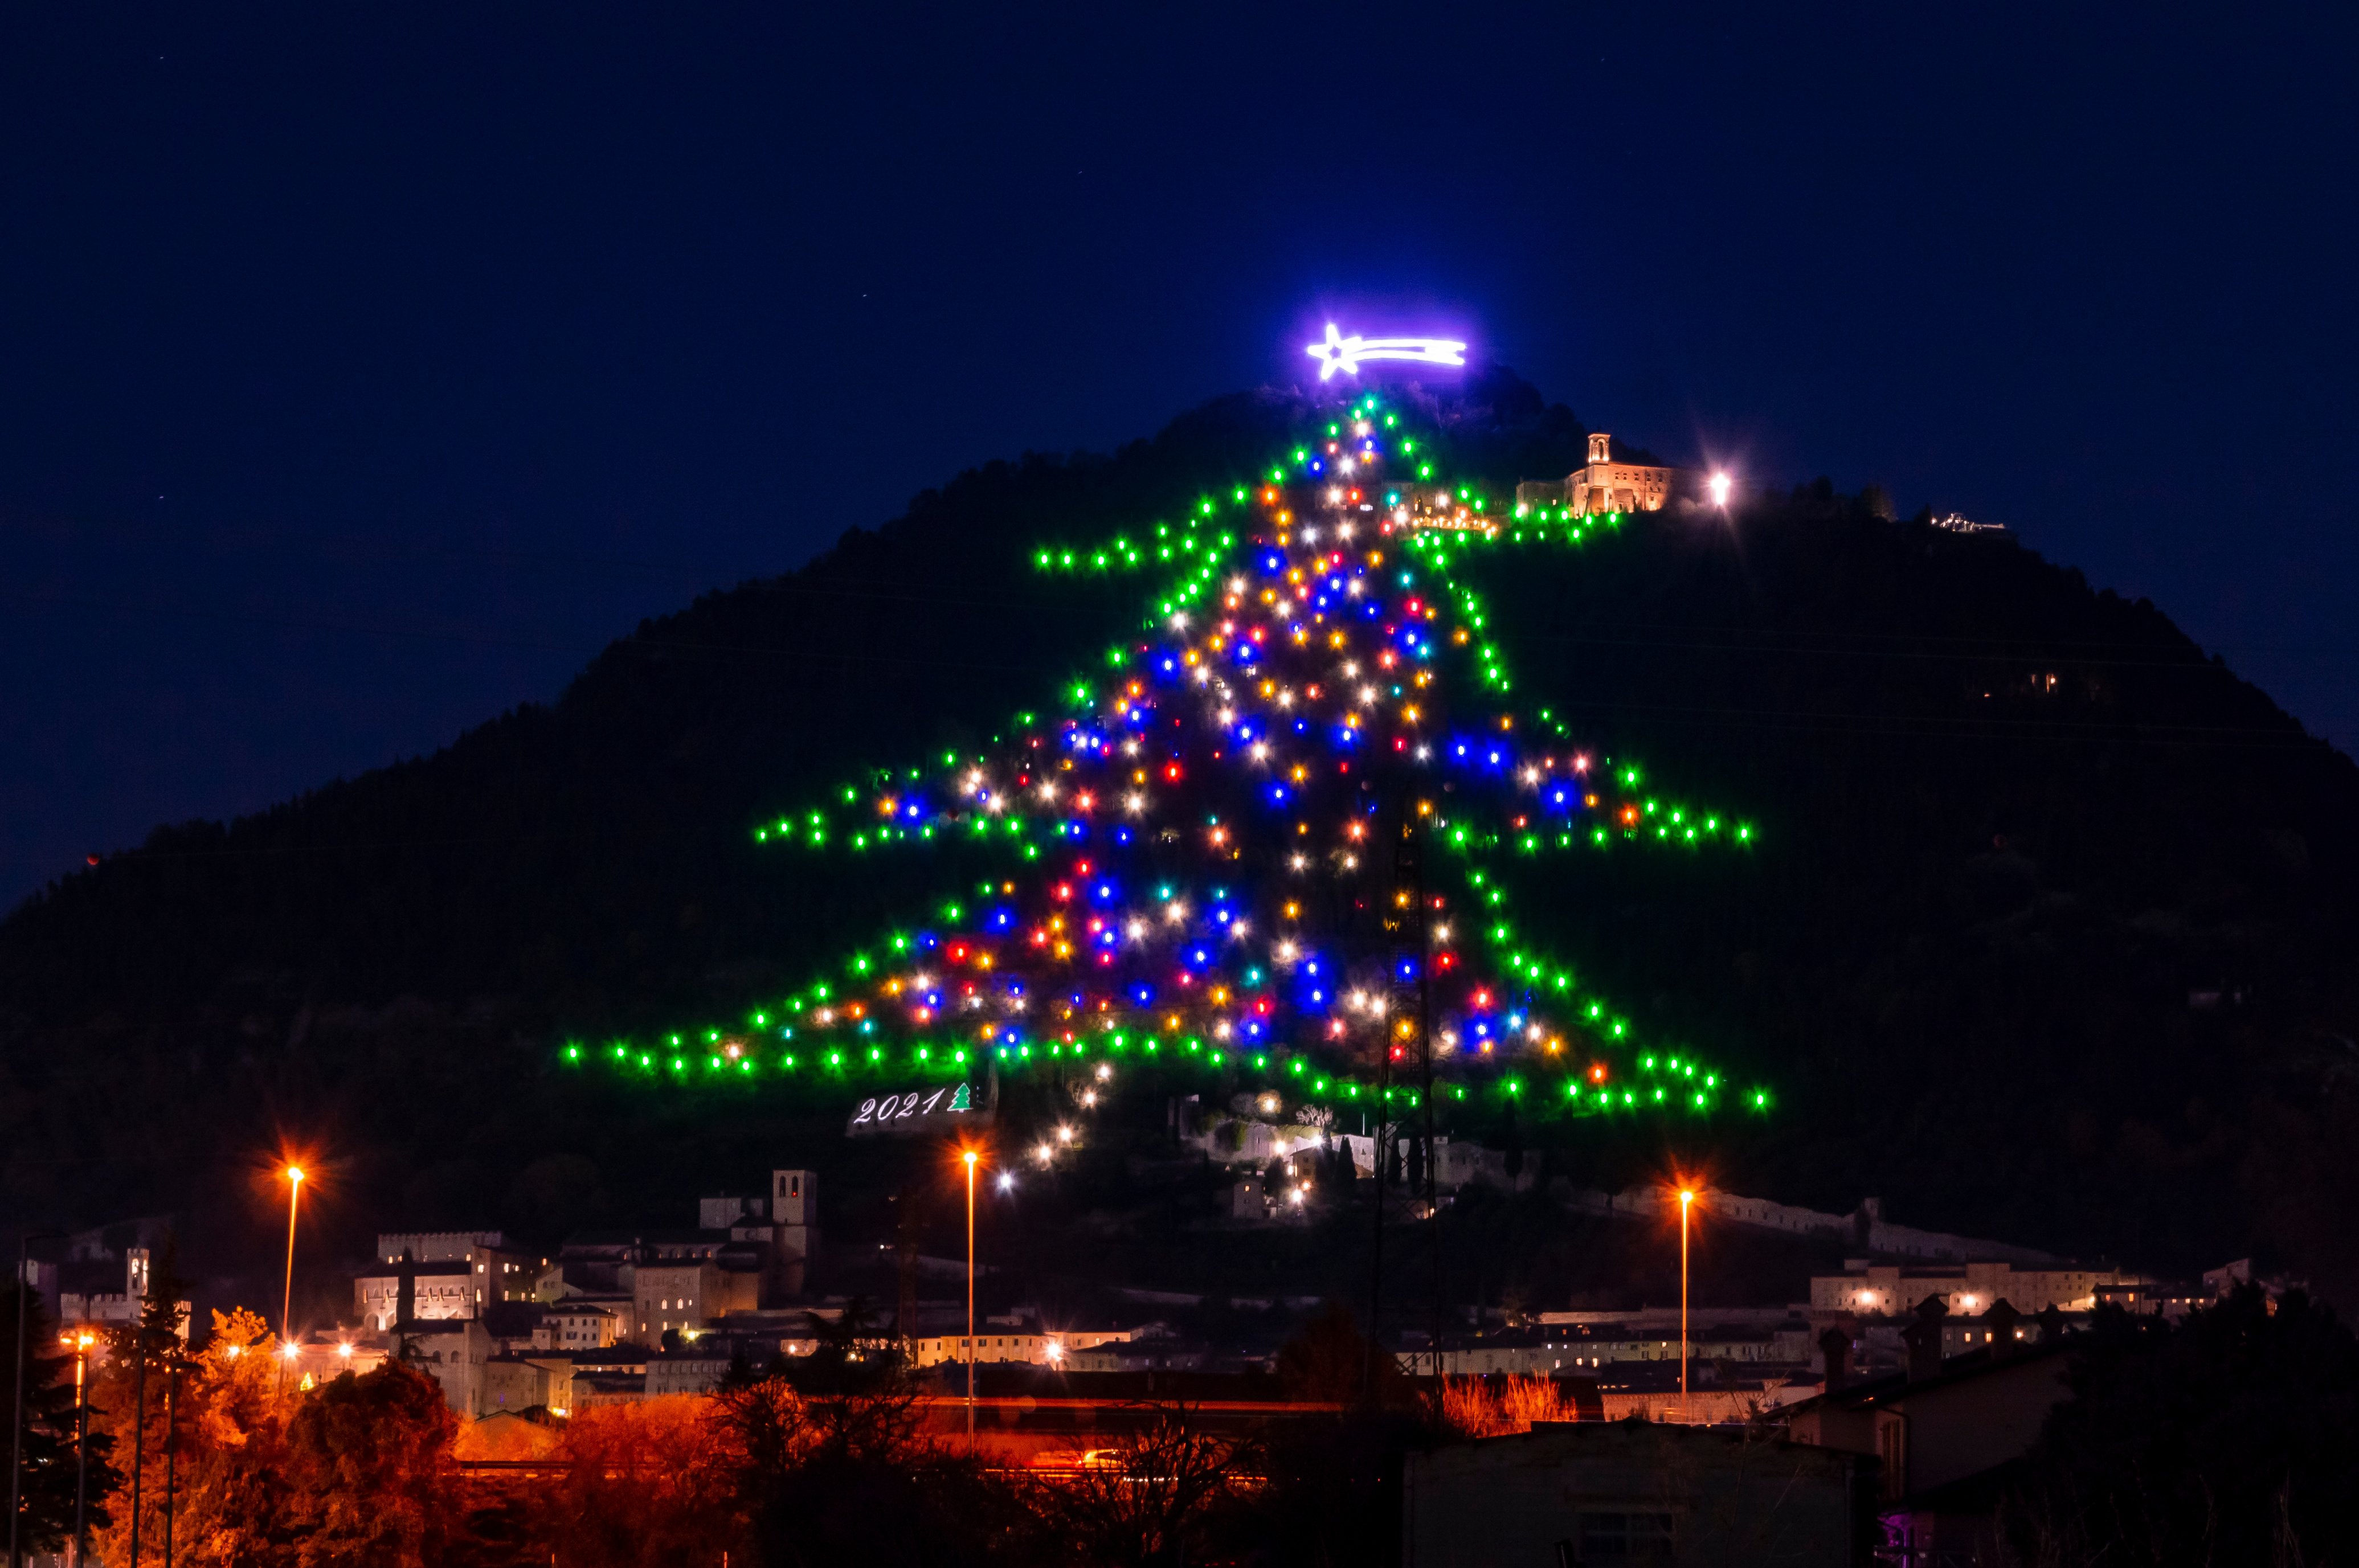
(745, 1254)
(91, 1307)
(1549, 1350)
(513, 1384)
(451, 1351)
(1944, 1431)
(613, 1377)
(1031, 1346)
(449, 1274)
(578, 1325)
(1889, 1290)
(1601, 1492)
(323, 1358)
(681, 1297)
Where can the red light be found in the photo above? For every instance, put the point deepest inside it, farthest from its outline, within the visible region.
(1172, 772)
(1063, 891)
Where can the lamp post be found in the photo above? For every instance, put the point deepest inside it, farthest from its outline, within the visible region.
(1687, 1201)
(81, 1343)
(171, 1409)
(969, 1158)
(286, 1303)
(17, 1426)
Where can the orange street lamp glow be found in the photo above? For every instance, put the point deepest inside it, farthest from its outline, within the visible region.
(286, 1303)
(1687, 1203)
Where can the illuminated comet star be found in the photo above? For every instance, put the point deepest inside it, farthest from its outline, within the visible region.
(1341, 353)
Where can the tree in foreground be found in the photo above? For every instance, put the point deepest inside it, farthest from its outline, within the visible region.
(2231, 1436)
(46, 1512)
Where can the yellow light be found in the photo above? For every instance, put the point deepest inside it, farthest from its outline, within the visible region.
(294, 1173)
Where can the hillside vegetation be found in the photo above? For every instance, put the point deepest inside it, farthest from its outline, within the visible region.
(2049, 932)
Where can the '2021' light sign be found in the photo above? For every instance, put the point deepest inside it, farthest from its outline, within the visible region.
(1338, 354)
(916, 1112)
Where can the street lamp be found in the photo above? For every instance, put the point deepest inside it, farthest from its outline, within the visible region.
(969, 1157)
(1687, 1201)
(286, 1304)
(81, 1343)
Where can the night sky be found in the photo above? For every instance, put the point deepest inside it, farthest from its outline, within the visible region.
(364, 369)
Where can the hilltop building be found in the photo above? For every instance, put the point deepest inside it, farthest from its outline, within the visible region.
(1606, 485)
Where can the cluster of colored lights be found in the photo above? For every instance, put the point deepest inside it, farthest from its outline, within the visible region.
(1214, 818)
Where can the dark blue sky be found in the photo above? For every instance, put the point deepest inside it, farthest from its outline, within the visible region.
(364, 369)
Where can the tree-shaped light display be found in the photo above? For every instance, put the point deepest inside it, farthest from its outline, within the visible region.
(1262, 848)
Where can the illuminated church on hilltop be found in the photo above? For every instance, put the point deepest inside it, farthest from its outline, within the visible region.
(1605, 485)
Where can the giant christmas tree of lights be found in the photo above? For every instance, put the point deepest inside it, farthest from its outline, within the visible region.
(1262, 850)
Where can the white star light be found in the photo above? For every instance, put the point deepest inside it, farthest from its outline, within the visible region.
(1340, 353)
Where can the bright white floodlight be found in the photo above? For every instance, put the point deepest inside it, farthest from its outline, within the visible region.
(1720, 488)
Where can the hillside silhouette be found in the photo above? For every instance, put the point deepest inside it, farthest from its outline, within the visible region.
(2049, 933)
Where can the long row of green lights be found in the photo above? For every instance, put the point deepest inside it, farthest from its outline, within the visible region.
(950, 1063)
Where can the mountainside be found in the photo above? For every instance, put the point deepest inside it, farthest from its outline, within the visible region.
(2049, 932)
